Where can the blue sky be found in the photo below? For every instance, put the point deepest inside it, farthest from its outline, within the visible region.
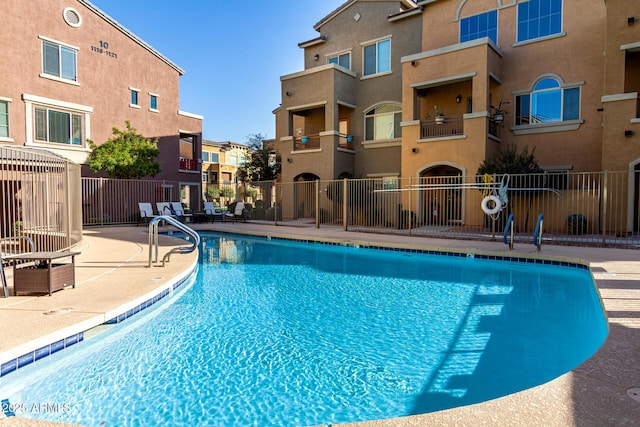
(233, 54)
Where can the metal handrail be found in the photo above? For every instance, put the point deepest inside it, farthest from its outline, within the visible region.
(153, 238)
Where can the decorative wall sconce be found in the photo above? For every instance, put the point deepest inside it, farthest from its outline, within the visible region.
(414, 63)
(628, 133)
(316, 57)
(414, 150)
(289, 159)
(458, 99)
(288, 93)
(631, 20)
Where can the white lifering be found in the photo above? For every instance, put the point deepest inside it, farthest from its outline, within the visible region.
(485, 205)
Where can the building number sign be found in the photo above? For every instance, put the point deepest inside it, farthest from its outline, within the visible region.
(103, 48)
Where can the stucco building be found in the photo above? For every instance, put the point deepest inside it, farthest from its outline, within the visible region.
(71, 73)
(462, 79)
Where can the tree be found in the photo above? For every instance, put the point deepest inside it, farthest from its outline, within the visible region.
(263, 163)
(125, 155)
(511, 162)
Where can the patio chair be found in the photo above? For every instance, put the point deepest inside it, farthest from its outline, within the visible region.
(213, 212)
(146, 212)
(238, 213)
(179, 212)
(164, 208)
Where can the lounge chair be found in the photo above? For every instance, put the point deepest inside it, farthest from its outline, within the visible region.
(179, 212)
(238, 213)
(212, 212)
(146, 212)
(164, 208)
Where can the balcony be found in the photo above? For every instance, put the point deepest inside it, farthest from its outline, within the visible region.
(188, 164)
(452, 126)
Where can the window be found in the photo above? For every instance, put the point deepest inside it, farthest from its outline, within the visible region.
(377, 57)
(243, 161)
(539, 18)
(343, 60)
(59, 61)
(478, 26)
(4, 119)
(549, 102)
(153, 102)
(233, 159)
(215, 158)
(57, 126)
(134, 98)
(383, 122)
(205, 156)
(205, 176)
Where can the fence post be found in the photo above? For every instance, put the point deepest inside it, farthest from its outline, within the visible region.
(101, 200)
(69, 188)
(605, 186)
(410, 206)
(344, 204)
(317, 203)
(274, 198)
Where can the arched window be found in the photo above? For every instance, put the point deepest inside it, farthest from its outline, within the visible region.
(548, 102)
(383, 122)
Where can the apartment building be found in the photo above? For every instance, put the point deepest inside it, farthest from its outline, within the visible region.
(557, 76)
(341, 115)
(71, 73)
(220, 163)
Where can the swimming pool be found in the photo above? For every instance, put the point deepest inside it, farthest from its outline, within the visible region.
(281, 333)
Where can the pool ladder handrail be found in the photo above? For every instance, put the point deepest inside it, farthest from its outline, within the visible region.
(3, 278)
(509, 231)
(153, 238)
(537, 235)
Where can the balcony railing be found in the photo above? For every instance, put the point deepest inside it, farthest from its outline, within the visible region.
(452, 126)
(307, 142)
(188, 164)
(345, 141)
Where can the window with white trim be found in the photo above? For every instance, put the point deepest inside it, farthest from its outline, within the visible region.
(539, 18)
(205, 156)
(548, 102)
(215, 158)
(57, 126)
(383, 122)
(342, 59)
(4, 119)
(377, 57)
(135, 98)
(153, 102)
(59, 61)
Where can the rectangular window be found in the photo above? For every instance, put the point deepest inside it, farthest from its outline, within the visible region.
(377, 57)
(4, 119)
(243, 161)
(343, 60)
(134, 97)
(205, 176)
(205, 156)
(153, 102)
(59, 61)
(233, 159)
(571, 104)
(215, 158)
(478, 26)
(539, 18)
(58, 126)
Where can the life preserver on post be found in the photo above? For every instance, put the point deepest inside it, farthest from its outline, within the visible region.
(495, 209)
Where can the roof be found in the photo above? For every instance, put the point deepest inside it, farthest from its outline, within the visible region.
(409, 4)
(224, 144)
(129, 34)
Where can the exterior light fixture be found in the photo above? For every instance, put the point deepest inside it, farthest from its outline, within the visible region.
(316, 57)
(458, 99)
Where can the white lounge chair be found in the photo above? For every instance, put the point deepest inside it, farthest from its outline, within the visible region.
(146, 212)
(179, 212)
(213, 212)
(238, 213)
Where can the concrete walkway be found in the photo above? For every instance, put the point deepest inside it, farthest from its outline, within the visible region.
(112, 275)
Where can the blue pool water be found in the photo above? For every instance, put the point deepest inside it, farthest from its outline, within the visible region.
(275, 333)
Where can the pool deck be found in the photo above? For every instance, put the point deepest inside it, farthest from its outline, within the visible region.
(112, 276)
